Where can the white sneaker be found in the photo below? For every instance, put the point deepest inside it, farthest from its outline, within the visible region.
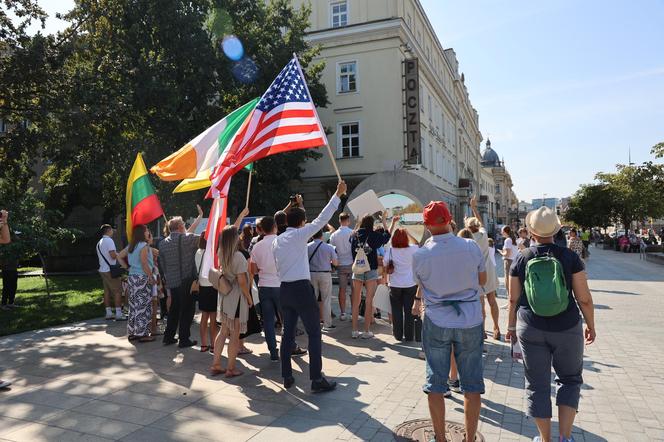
(342, 317)
(355, 334)
(4, 384)
(367, 335)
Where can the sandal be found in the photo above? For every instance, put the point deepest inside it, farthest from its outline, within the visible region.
(245, 351)
(146, 339)
(496, 335)
(132, 338)
(217, 371)
(205, 348)
(234, 373)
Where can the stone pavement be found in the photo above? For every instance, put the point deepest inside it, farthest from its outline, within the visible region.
(86, 382)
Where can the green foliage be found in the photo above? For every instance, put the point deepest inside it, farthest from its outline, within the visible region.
(636, 192)
(658, 150)
(591, 206)
(73, 298)
(139, 76)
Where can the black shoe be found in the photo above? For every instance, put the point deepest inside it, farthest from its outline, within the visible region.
(274, 357)
(187, 343)
(322, 385)
(333, 315)
(288, 382)
(298, 351)
(377, 315)
(169, 341)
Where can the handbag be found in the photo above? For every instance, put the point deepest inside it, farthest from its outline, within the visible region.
(219, 281)
(253, 323)
(116, 269)
(361, 263)
(389, 268)
(195, 285)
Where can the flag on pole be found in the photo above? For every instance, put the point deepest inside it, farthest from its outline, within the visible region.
(142, 203)
(216, 223)
(193, 163)
(285, 119)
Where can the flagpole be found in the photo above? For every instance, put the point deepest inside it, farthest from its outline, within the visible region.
(327, 144)
(251, 172)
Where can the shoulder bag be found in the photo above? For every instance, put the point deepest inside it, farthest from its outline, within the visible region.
(195, 285)
(116, 269)
(389, 268)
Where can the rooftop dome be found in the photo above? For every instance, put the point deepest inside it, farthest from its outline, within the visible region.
(489, 156)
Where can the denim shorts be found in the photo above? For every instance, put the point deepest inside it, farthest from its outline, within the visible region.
(371, 275)
(438, 342)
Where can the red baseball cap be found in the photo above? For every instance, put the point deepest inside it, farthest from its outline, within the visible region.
(436, 213)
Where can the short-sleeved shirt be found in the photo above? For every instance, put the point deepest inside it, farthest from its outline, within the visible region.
(106, 245)
(135, 266)
(321, 261)
(510, 248)
(263, 257)
(447, 268)
(572, 264)
(402, 258)
(198, 261)
(341, 242)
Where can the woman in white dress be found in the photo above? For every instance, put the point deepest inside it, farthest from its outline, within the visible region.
(480, 236)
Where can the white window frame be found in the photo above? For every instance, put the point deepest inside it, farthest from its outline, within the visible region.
(332, 14)
(340, 137)
(357, 77)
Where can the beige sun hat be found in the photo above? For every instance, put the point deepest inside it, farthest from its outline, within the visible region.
(543, 222)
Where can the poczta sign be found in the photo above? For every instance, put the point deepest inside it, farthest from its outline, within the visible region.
(413, 148)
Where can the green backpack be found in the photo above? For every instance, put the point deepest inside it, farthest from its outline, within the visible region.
(545, 285)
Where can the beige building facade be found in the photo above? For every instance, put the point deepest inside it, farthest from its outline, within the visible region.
(400, 115)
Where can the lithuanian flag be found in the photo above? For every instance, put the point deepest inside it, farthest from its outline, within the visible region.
(194, 162)
(142, 203)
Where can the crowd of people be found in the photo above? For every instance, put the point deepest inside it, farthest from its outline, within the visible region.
(438, 288)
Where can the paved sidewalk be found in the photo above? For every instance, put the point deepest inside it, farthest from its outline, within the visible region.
(86, 382)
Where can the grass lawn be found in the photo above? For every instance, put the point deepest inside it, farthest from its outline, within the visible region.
(73, 298)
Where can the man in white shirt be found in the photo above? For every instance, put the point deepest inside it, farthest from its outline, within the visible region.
(340, 239)
(297, 297)
(262, 263)
(107, 257)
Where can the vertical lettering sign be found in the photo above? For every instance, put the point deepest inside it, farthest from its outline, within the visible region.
(413, 148)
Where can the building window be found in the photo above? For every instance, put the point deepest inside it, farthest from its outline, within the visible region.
(497, 188)
(339, 13)
(347, 77)
(349, 140)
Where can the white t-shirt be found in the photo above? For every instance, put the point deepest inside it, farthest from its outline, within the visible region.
(403, 266)
(262, 256)
(106, 245)
(340, 239)
(202, 279)
(492, 255)
(510, 248)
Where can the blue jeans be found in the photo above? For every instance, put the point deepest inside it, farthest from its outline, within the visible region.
(270, 305)
(438, 342)
(298, 300)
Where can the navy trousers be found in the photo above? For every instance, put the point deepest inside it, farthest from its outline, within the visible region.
(298, 300)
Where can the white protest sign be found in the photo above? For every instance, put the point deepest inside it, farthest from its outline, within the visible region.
(367, 203)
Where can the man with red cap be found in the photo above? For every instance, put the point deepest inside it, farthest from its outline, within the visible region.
(450, 272)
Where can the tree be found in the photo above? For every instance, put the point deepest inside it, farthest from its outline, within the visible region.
(636, 192)
(591, 206)
(148, 76)
(658, 150)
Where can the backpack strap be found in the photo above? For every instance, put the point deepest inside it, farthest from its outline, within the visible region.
(315, 250)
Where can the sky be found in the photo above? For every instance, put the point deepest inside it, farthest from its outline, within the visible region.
(564, 89)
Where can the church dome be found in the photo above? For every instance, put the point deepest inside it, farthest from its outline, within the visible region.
(489, 156)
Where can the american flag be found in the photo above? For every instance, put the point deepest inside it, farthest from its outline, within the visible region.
(284, 119)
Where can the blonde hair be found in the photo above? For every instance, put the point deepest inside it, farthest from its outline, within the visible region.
(229, 242)
(472, 222)
(465, 233)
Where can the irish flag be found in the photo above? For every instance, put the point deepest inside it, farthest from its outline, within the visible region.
(142, 203)
(194, 162)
